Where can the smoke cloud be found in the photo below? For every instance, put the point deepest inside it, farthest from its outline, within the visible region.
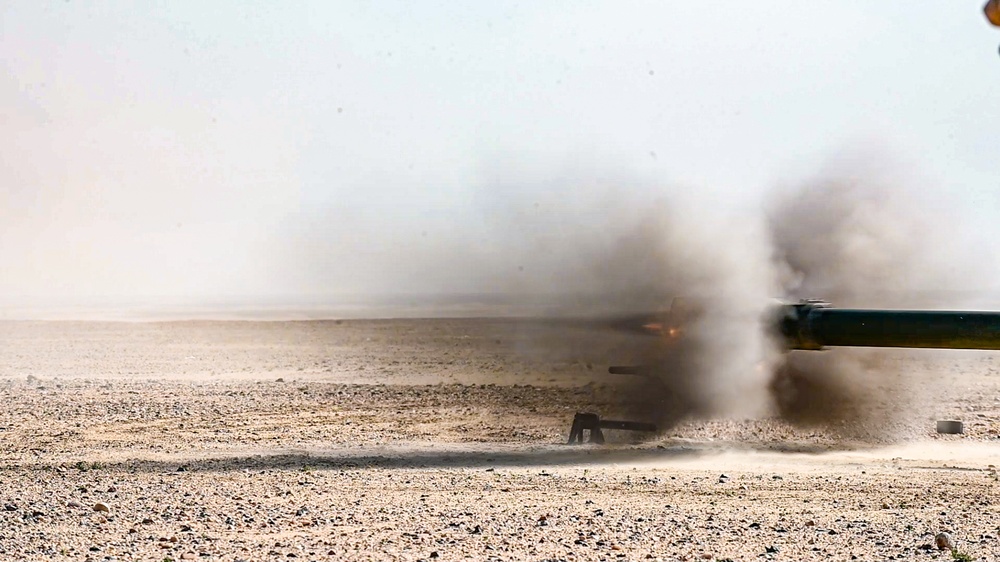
(863, 235)
(597, 246)
(856, 234)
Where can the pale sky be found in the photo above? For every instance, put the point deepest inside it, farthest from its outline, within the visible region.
(278, 149)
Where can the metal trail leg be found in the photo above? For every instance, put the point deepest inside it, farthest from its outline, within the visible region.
(588, 422)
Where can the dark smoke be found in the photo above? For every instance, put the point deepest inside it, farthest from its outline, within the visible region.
(856, 234)
(859, 236)
(583, 243)
(861, 396)
(601, 252)
(676, 385)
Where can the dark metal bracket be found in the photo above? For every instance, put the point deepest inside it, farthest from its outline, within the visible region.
(594, 424)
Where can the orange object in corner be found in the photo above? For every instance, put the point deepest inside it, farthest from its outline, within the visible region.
(992, 11)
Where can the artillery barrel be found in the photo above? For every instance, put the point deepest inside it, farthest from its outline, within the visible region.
(813, 326)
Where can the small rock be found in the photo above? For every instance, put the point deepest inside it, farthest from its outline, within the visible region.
(9, 507)
(435, 554)
(147, 521)
(810, 523)
(772, 550)
(943, 541)
(885, 505)
(101, 507)
(188, 556)
(72, 503)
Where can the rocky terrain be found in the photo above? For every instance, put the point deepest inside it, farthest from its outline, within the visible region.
(444, 440)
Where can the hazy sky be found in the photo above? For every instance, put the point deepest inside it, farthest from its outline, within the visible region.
(197, 149)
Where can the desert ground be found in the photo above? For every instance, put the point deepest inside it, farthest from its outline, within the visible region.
(445, 439)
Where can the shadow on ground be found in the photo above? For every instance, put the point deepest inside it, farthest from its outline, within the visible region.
(396, 458)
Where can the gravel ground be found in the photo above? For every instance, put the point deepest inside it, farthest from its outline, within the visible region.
(442, 440)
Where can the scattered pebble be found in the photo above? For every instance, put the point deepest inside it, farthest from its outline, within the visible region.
(269, 468)
(943, 541)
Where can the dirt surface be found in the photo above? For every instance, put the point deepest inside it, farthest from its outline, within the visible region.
(443, 440)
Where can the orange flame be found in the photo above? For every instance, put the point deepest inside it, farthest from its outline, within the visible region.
(653, 327)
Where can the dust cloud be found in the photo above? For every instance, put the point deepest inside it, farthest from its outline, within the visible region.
(605, 249)
(856, 234)
(860, 235)
(864, 235)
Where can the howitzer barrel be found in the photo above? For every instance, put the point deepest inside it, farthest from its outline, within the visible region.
(815, 326)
